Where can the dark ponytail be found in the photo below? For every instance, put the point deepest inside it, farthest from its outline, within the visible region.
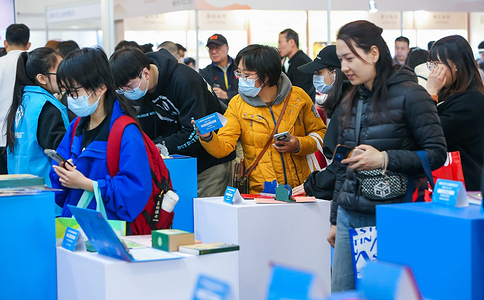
(29, 65)
(364, 35)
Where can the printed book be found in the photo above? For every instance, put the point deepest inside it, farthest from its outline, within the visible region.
(18, 180)
(207, 248)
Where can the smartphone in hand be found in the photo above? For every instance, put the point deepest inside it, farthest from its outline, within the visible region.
(341, 152)
(56, 156)
(283, 136)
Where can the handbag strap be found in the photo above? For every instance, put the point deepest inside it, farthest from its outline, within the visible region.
(87, 196)
(252, 167)
(359, 112)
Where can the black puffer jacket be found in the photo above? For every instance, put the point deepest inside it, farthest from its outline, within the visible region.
(409, 123)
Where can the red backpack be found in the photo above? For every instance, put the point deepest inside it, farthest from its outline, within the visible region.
(152, 217)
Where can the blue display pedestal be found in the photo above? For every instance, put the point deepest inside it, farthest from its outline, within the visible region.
(183, 173)
(443, 245)
(28, 254)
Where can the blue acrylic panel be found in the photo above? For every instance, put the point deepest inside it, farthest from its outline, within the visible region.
(28, 254)
(183, 173)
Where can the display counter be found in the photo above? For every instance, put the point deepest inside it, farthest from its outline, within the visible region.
(443, 245)
(289, 233)
(91, 276)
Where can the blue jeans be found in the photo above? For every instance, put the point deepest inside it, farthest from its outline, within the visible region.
(343, 278)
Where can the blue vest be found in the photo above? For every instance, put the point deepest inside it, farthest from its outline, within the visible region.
(28, 157)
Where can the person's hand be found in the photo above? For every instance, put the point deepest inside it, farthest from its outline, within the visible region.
(220, 93)
(290, 146)
(203, 136)
(298, 190)
(436, 80)
(332, 235)
(370, 159)
(71, 178)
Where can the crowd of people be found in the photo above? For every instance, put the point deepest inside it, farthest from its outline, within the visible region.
(387, 109)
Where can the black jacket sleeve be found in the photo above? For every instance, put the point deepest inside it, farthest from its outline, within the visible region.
(51, 127)
(194, 100)
(424, 124)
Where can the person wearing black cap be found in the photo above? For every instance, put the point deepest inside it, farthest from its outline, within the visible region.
(327, 79)
(220, 73)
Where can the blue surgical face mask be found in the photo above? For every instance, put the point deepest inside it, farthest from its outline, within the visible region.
(320, 85)
(247, 87)
(81, 106)
(137, 93)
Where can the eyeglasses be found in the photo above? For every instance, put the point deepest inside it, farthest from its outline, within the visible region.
(50, 74)
(128, 89)
(73, 92)
(244, 77)
(433, 64)
(324, 76)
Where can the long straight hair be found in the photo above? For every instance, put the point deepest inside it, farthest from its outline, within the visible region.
(89, 68)
(336, 93)
(455, 49)
(29, 65)
(364, 35)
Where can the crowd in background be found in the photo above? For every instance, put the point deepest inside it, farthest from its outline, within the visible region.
(389, 109)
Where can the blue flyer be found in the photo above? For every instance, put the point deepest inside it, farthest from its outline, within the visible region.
(210, 123)
(450, 192)
(70, 239)
(209, 288)
(232, 196)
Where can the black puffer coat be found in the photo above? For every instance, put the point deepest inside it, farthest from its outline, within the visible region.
(409, 123)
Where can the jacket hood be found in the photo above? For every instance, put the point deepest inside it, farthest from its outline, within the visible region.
(166, 64)
(284, 86)
(402, 73)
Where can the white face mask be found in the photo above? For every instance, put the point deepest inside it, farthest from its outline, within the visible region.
(81, 106)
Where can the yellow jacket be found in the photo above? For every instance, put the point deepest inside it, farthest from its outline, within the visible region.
(254, 126)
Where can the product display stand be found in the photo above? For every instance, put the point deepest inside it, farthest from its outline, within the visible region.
(91, 276)
(28, 266)
(288, 233)
(443, 245)
(183, 174)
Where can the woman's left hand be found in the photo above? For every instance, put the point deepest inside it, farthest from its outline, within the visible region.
(290, 146)
(71, 178)
(370, 159)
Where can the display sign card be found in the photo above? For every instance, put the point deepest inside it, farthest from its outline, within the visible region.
(209, 288)
(211, 122)
(289, 283)
(232, 196)
(450, 192)
(386, 281)
(73, 240)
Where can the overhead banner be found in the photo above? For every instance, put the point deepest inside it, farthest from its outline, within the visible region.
(7, 16)
(73, 13)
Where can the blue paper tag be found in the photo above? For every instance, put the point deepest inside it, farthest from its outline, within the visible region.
(210, 123)
(210, 288)
(450, 192)
(70, 239)
(232, 196)
(289, 283)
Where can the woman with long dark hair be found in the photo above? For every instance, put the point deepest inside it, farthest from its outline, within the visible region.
(36, 120)
(388, 117)
(87, 79)
(455, 79)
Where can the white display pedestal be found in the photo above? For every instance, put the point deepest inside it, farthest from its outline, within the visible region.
(91, 276)
(289, 233)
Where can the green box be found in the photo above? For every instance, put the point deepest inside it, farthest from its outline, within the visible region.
(171, 239)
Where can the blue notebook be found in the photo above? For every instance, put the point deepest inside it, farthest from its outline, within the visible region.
(106, 242)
